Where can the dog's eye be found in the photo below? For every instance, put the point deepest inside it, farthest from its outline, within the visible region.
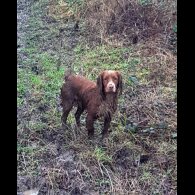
(105, 79)
(115, 79)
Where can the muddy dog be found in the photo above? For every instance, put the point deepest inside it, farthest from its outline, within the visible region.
(98, 99)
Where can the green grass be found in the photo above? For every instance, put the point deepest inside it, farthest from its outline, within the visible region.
(101, 155)
(92, 61)
(47, 83)
(175, 28)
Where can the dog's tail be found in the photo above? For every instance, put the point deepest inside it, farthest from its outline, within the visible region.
(67, 74)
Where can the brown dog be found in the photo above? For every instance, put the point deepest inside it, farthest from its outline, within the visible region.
(98, 99)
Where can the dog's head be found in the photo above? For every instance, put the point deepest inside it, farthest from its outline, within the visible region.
(110, 81)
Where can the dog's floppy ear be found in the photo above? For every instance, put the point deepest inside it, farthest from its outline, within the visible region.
(120, 83)
(100, 85)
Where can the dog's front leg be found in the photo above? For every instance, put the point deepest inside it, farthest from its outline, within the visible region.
(89, 124)
(107, 121)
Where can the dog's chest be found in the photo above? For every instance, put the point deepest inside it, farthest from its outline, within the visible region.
(106, 109)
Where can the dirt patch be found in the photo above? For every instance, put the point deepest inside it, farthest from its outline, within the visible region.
(59, 170)
(124, 158)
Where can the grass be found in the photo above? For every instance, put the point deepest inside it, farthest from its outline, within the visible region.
(147, 84)
(47, 81)
(140, 154)
(101, 156)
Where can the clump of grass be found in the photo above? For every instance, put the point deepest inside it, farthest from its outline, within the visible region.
(101, 156)
(65, 10)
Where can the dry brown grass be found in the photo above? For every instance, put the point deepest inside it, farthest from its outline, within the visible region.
(156, 96)
(125, 22)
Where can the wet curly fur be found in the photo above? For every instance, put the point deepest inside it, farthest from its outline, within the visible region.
(98, 99)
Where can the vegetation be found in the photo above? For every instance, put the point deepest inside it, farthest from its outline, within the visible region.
(139, 156)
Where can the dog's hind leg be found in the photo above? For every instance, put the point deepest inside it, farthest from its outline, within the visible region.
(78, 113)
(67, 106)
(67, 102)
